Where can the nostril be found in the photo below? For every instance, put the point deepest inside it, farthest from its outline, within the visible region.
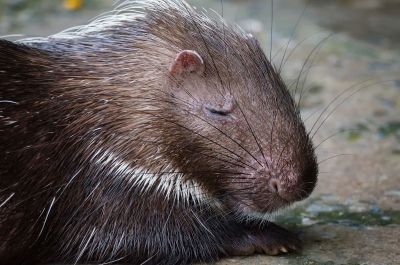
(274, 185)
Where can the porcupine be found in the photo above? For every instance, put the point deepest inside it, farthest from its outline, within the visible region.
(155, 134)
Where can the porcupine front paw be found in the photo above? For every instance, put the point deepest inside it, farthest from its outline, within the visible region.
(269, 239)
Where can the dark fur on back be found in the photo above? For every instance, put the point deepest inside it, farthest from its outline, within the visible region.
(107, 157)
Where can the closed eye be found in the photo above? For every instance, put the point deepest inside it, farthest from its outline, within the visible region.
(219, 112)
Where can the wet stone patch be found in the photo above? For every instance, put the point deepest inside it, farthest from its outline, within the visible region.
(380, 132)
(320, 211)
(337, 232)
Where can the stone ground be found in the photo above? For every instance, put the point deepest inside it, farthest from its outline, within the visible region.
(353, 217)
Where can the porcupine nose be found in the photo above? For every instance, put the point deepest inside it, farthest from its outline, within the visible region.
(274, 185)
(271, 179)
(274, 181)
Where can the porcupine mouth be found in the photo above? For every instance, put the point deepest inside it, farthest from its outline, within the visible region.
(255, 207)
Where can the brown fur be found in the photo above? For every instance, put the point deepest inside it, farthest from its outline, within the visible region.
(78, 114)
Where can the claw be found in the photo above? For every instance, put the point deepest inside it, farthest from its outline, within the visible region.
(284, 250)
(271, 241)
(271, 251)
(293, 247)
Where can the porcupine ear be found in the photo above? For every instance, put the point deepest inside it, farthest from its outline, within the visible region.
(187, 62)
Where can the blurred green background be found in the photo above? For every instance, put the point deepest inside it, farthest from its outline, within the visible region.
(376, 21)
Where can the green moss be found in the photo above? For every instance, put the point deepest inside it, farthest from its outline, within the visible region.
(383, 131)
(355, 132)
(315, 89)
(360, 218)
(389, 129)
(353, 136)
(319, 212)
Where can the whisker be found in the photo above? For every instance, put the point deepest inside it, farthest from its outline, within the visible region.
(205, 44)
(272, 28)
(254, 136)
(331, 136)
(299, 44)
(334, 100)
(292, 36)
(343, 101)
(223, 133)
(329, 158)
(307, 60)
